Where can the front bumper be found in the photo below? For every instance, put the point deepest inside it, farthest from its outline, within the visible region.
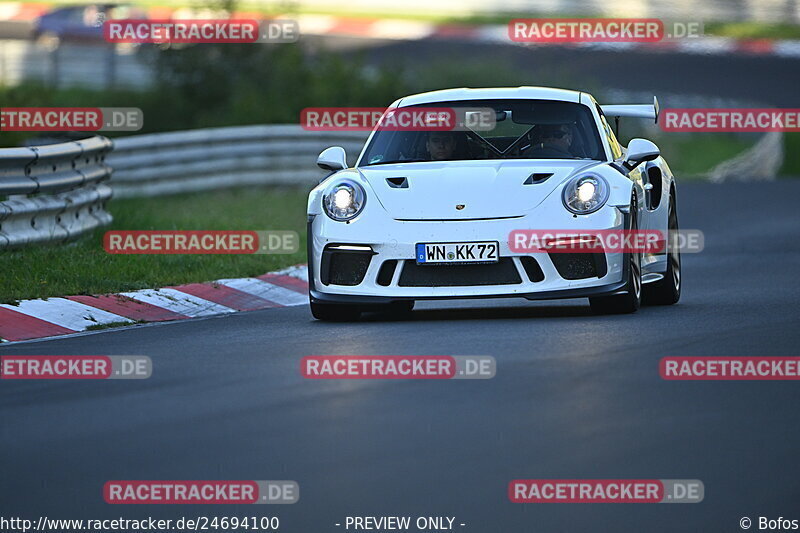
(395, 240)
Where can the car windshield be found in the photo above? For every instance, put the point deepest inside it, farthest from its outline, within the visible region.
(524, 129)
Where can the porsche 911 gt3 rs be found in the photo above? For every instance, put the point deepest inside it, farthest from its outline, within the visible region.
(427, 214)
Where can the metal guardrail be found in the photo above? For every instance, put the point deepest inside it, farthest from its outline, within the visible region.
(53, 193)
(760, 162)
(196, 160)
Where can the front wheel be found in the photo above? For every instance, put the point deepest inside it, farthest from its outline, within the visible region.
(335, 312)
(631, 299)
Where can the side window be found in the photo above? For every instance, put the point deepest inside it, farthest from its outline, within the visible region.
(616, 148)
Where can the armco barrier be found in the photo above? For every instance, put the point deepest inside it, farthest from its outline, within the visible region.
(214, 158)
(53, 193)
(56, 192)
(760, 162)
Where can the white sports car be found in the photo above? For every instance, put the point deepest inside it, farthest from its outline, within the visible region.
(427, 215)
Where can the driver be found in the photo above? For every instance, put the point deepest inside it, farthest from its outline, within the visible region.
(441, 145)
(554, 138)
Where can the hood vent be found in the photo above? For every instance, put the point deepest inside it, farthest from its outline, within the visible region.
(536, 177)
(398, 183)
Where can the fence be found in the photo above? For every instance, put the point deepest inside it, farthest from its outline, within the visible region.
(73, 65)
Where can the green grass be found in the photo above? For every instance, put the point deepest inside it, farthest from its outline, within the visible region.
(753, 30)
(83, 267)
(110, 325)
(791, 152)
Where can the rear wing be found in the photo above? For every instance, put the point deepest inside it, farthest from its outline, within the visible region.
(633, 110)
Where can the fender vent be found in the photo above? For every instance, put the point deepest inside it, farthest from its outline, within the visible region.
(536, 177)
(654, 177)
(397, 183)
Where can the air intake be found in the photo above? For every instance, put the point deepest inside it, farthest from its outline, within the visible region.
(501, 273)
(532, 268)
(344, 264)
(386, 272)
(580, 265)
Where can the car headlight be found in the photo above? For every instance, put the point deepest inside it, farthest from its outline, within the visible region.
(344, 200)
(585, 194)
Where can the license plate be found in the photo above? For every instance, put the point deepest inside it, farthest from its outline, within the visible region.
(440, 253)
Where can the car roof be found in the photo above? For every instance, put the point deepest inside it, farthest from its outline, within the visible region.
(494, 93)
(80, 7)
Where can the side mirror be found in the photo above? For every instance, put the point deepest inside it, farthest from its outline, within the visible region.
(333, 159)
(639, 151)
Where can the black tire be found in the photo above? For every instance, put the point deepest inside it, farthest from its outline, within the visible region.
(335, 312)
(631, 299)
(667, 291)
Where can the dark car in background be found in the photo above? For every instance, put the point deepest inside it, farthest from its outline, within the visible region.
(81, 22)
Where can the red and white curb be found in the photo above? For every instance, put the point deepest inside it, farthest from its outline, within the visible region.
(400, 29)
(33, 319)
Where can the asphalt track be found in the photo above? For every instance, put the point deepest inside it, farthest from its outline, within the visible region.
(575, 396)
